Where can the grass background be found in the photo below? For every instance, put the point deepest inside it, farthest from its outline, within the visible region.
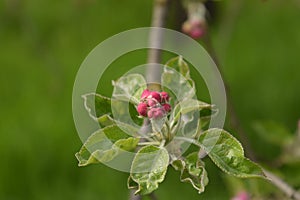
(42, 45)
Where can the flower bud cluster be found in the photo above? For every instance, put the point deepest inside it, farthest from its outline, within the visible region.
(154, 104)
(195, 26)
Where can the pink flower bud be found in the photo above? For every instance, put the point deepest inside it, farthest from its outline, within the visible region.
(142, 109)
(167, 107)
(197, 32)
(165, 96)
(241, 196)
(151, 102)
(156, 96)
(156, 113)
(145, 94)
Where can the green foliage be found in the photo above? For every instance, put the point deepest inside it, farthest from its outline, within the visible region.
(183, 87)
(159, 150)
(149, 168)
(104, 145)
(192, 170)
(129, 88)
(228, 154)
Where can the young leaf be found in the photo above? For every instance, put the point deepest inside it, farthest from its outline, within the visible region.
(192, 171)
(102, 105)
(228, 154)
(188, 116)
(190, 105)
(102, 110)
(104, 145)
(176, 77)
(149, 168)
(129, 88)
(179, 65)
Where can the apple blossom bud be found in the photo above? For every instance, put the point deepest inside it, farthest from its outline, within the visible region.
(145, 94)
(156, 113)
(142, 109)
(156, 95)
(167, 107)
(241, 196)
(197, 32)
(151, 102)
(165, 96)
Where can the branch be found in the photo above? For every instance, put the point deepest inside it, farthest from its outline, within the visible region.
(153, 73)
(235, 122)
(133, 196)
(283, 186)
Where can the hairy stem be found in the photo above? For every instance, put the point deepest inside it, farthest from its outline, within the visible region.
(282, 185)
(153, 72)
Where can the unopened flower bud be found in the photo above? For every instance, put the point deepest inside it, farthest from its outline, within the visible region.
(156, 113)
(145, 94)
(197, 32)
(165, 96)
(241, 196)
(156, 96)
(167, 107)
(142, 109)
(151, 102)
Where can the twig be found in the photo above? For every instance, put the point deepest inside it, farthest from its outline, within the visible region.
(283, 186)
(275, 180)
(153, 72)
(134, 197)
(153, 196)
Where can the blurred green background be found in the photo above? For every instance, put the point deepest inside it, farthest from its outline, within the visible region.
(42, 45)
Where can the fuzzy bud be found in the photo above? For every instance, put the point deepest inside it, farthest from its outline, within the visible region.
(151, 102)
(167, 107)
(156, 113)
(165, 96)
(156, 96)
(241, 196)
(145, 94)
(142, 109)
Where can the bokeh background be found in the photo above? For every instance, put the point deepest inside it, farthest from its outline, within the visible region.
(42, 45)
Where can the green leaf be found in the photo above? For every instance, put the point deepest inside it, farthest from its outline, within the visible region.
(149, 168)
(228, 154)
(179, 65)
(177, 81)
(129, 88)
(125, 112)
(104, 145)
(188, 117)
(102, 105)
(190, 105)
(192, 171)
